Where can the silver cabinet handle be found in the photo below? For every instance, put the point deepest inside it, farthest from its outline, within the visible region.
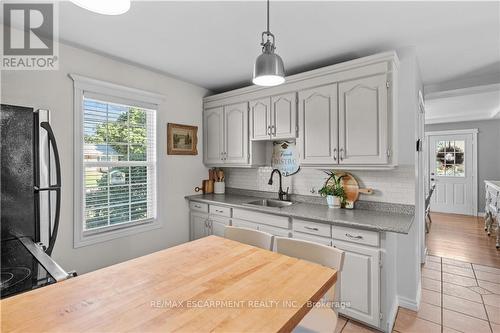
(311, 228)
(334, 154)
(269, 131)
(341, 151)
(273, 129)
(219, 211)
(354, 237)
(197, 206)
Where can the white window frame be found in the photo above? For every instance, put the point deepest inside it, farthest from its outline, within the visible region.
(123, 95)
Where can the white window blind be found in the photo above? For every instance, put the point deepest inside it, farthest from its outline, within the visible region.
(119, 164)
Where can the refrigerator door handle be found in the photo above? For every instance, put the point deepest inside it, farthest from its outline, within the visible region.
(56, 187)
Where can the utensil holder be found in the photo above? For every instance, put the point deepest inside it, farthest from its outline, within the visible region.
(219, 187)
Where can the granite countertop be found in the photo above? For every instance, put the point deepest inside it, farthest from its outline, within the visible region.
(356, 218)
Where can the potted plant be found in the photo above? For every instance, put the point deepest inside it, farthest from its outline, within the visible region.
(333, 190)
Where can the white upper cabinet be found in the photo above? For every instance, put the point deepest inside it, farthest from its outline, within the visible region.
(341, 116)
(318, 125)
(213, 135)
(284, 116)
(274, 117)
(363, 121)
(260, 119)
(225, 135)
(236, 133)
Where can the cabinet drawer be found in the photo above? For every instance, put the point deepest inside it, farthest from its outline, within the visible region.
(198, 206)
(311, 238)
(220, 210)
(244, 224)
(356, 235)
(275, 231)
(313, 228)
(261, 218)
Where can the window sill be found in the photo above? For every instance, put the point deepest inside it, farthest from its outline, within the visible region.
(90, 238)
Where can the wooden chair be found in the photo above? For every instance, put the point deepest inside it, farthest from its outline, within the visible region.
(248, 236)
(323, 318)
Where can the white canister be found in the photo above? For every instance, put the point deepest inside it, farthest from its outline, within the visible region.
(219, 187)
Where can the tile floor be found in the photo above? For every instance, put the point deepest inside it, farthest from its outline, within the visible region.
(457, 296)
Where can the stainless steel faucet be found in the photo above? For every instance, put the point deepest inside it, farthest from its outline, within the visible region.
(282, 195)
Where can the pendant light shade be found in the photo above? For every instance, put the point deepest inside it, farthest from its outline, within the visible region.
(268, 69)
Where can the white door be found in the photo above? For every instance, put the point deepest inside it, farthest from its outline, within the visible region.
(360, 282)
(284, 116)
(318, 125)
(213, 135)
(236, 130)
(451, 168)
(363, 121)
(260, 119)
(198, 225)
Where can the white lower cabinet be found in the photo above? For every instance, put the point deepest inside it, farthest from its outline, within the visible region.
(203, 224)
(360, 282)
(198, 225)
(311, 238)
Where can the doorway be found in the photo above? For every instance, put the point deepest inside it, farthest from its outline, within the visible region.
(452, 167)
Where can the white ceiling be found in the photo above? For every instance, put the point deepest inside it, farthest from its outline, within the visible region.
(214, 44)
(477, 103)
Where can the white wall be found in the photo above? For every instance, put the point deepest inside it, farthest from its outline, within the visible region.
(408, 257)
(177, 175)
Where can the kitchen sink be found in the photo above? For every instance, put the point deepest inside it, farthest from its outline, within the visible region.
(271, 203)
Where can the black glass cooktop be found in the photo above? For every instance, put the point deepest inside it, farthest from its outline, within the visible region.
(20, 271)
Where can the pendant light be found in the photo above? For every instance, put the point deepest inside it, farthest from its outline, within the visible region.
(105, 7)
(268, 69)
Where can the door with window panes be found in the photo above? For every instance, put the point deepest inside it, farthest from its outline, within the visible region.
(451, 169)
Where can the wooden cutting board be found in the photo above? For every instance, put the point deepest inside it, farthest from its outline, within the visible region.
(351, 187)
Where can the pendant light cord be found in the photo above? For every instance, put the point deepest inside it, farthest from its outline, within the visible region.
(268, 18)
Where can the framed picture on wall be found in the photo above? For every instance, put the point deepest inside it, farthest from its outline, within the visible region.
(182, 139)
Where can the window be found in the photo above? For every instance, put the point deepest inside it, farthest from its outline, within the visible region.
(116, 155)
(450, 158)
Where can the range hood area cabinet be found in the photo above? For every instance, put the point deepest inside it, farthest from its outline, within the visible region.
(274, 118)
(341, 116)
(225, 137)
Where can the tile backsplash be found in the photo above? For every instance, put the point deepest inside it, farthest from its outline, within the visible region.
(394, 186)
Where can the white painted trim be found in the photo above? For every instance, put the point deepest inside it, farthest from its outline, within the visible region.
(463, 91)
(107, 88)
(459, 118)
(391, 316)
(453, 132)
(81, 85)
(475, 179)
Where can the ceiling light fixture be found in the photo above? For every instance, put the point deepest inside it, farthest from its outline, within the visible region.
(268, 69)
(105, 7)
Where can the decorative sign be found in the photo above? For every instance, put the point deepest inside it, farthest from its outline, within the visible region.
(285, 157)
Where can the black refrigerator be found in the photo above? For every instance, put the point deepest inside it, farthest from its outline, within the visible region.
(30, 200)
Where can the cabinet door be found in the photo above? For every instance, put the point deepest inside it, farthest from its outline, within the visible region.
(236, 133)
(284, 116)
(318, 125)
(363, 121)
(360, 282)
(260, 119)
(198, 225)
(218, 225)
(274, 231)
(213, 135)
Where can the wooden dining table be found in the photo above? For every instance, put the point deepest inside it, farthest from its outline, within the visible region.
(210, 284)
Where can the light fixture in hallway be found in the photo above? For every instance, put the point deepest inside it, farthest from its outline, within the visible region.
(268, 69)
